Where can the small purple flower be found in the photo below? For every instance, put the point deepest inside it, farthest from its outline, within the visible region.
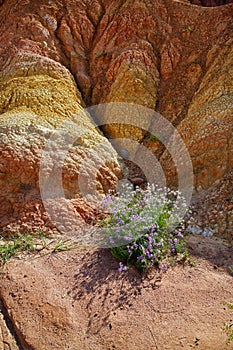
(140, 258)
(163, 267)
(149, 247)
(128, 238)
(111, 241)
(130, 251)
(122, 267)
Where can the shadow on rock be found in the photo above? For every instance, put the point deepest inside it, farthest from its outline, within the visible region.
(104, 290)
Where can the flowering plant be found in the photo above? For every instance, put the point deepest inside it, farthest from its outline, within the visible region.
(144, 227)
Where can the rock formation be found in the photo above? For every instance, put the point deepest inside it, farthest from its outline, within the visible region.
(58, 57)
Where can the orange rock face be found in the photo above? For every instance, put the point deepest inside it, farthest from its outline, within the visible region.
(58, 57)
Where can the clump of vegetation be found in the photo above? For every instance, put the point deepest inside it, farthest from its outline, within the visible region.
(12, 246)
(28, 243)
(154, 137)
(228, 327)
(61, 246)
(141, 228)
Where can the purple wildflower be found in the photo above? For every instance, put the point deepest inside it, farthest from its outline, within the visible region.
(128, 238)
(111, 240)
(122, 267)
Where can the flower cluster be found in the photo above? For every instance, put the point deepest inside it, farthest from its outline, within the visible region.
(141, 227)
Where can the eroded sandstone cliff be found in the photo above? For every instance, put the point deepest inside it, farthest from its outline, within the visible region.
(58, 57)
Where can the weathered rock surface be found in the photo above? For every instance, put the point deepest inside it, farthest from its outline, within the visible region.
(78, 300)
(7, 335)
(56, 57)
(208, 127)
(213, 208)
(33, 106)
(38, 95)
(55, 326)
